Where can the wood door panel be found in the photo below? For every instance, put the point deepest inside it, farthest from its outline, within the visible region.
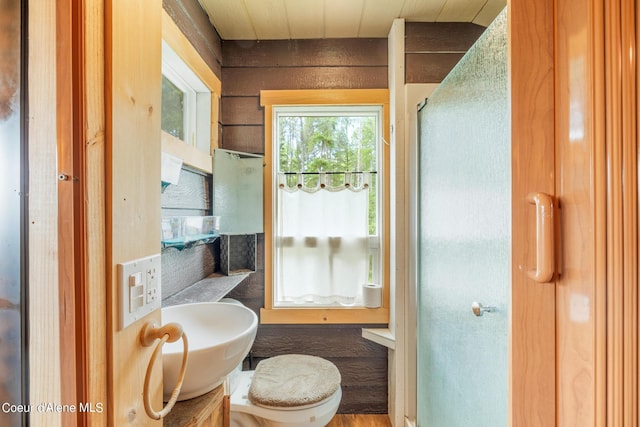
(532, 347)
(576, 143)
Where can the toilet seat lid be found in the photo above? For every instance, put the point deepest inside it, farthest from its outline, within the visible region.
(293, 380)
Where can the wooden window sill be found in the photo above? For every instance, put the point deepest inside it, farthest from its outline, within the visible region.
(324, 315)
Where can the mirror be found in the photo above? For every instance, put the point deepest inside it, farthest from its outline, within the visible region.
(237, 191)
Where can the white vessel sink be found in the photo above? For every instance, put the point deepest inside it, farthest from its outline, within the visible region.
(220, 336)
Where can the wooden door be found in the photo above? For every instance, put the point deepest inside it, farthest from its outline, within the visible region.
(597, 193)
(580, 194)
(532, 317)
(595, 183)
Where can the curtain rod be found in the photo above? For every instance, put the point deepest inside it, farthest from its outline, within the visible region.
(327, 173)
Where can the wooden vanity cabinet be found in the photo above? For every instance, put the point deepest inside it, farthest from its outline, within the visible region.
(209, 410)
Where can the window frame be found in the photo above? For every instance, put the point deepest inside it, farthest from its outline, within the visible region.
(201, 157)
(324, 315)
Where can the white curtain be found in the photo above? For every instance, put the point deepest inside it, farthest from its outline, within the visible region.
(322, 248)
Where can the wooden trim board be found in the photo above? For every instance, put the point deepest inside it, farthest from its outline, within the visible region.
(44, 319)
(95, 285)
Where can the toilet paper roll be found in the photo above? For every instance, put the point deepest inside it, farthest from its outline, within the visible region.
(372, 295)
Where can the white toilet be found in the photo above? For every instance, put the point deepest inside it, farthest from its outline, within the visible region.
(286, 391)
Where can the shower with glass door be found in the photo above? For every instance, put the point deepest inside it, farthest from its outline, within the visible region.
(464, 241)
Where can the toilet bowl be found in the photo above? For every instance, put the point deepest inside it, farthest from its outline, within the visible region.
(286, 399)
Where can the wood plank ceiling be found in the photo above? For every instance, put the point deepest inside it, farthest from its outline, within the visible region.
(317, 19)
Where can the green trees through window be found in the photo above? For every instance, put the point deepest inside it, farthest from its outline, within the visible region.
(172, 109)
(336, 144)
(327, 143)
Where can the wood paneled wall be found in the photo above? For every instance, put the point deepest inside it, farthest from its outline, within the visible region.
(194, 23)
(251, 66)
(432, 49)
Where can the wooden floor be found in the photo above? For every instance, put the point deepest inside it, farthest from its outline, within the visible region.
(360, 420)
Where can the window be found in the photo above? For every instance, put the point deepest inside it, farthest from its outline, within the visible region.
(325, 205)
(186, 102)
(190, 100)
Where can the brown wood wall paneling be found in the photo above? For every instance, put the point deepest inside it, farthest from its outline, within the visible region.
(305, 53)
(342, 341)
(243, 120)
(432, 49)
(242, 111)
(251, 66)
(194, 23)
(238, 81)
(249, 139)
(440, 36)
(429, 67)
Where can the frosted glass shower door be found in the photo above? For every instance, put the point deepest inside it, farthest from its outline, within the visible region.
(465, 235)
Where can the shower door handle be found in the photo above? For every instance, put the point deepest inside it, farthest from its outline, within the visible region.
(544, 270)
(479, 309)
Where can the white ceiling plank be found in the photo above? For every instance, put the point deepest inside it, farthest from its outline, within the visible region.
(269, 19)
(460, 10)
(229, 18)
(342, 18)
(489, 12)
(314, 19)
(377, 17)
(306, 18)
(422, 10)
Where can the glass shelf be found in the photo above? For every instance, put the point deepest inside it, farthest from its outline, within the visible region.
(185, 231)
(189, 241)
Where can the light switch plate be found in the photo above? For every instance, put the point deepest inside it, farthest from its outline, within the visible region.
(139, 285)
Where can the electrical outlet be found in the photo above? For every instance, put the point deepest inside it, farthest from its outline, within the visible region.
(152, 276)
(152, 294)
(152, 284)
(139, 283)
